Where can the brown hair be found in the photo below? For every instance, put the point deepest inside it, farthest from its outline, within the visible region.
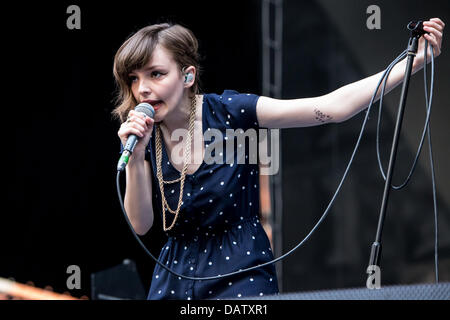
(137, 50)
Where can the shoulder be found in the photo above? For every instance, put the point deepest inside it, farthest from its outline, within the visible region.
(231, 98)
(238, 110)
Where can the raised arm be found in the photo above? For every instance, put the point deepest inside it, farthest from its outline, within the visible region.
(346, 101)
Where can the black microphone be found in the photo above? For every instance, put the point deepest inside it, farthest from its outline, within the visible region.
(132, 140)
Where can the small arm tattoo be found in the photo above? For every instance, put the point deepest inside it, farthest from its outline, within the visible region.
(321, 117)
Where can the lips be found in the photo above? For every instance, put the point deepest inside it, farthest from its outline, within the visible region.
(156, 104)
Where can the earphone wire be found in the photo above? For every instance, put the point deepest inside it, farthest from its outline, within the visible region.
(318, 223)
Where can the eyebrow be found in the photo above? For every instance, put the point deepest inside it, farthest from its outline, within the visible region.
(149, 68)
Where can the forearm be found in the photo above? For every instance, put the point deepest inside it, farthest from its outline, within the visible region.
(351, 99)
(138, 195)
(336, 106)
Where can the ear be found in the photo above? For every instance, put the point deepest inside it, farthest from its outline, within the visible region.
(188, 74)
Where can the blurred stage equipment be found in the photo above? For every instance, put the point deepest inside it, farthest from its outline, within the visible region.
(121, 282)
(439, 291)
(11, 290)
(272, 84)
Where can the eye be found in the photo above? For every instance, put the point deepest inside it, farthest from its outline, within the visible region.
(156, 74)
(132, 79)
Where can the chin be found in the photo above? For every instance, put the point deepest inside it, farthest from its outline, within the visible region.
(159, 116)
(158, 120)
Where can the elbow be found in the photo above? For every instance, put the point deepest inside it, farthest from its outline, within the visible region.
(344, 117)
(141, 229)
(141, 220)
(340, 117)
(141, 232)
(142, 226)
(340, 120)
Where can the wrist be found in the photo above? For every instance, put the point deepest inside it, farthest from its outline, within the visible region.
(136, 158)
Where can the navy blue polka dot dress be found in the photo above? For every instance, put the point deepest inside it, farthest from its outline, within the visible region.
(217, 230)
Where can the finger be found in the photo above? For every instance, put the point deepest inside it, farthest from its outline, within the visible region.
(138, 126)
(435, 41)
(141, 115)
(141, 121)
(149, 121)
(137, 114)
(135, 124)
(131, 127)
(133, 130)
(125, 134)
(135, 119)
(434, 31)
(432, 40)
(439, 21)
(433, 24)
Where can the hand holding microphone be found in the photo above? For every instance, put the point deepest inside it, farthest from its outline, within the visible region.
(135, 132)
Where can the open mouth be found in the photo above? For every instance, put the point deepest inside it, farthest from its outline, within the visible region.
(156, 104)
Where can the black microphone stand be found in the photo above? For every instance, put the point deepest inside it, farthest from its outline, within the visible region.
(416, 29)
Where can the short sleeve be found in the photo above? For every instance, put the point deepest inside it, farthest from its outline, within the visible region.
(239, 109)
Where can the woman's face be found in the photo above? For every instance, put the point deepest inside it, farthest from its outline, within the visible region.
(159, 83)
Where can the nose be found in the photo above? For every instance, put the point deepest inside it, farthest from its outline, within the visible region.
(144, 89)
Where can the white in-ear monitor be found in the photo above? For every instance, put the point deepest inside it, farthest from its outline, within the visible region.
(188, 77)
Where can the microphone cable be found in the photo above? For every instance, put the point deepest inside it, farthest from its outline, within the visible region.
(319, 222)
(430, 151)
(428, 112)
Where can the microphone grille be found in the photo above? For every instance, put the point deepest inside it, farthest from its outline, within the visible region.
(145, 108)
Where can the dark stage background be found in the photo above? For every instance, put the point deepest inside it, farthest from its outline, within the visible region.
(61, 207)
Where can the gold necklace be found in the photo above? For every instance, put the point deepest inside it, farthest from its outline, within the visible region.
(187, 159)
